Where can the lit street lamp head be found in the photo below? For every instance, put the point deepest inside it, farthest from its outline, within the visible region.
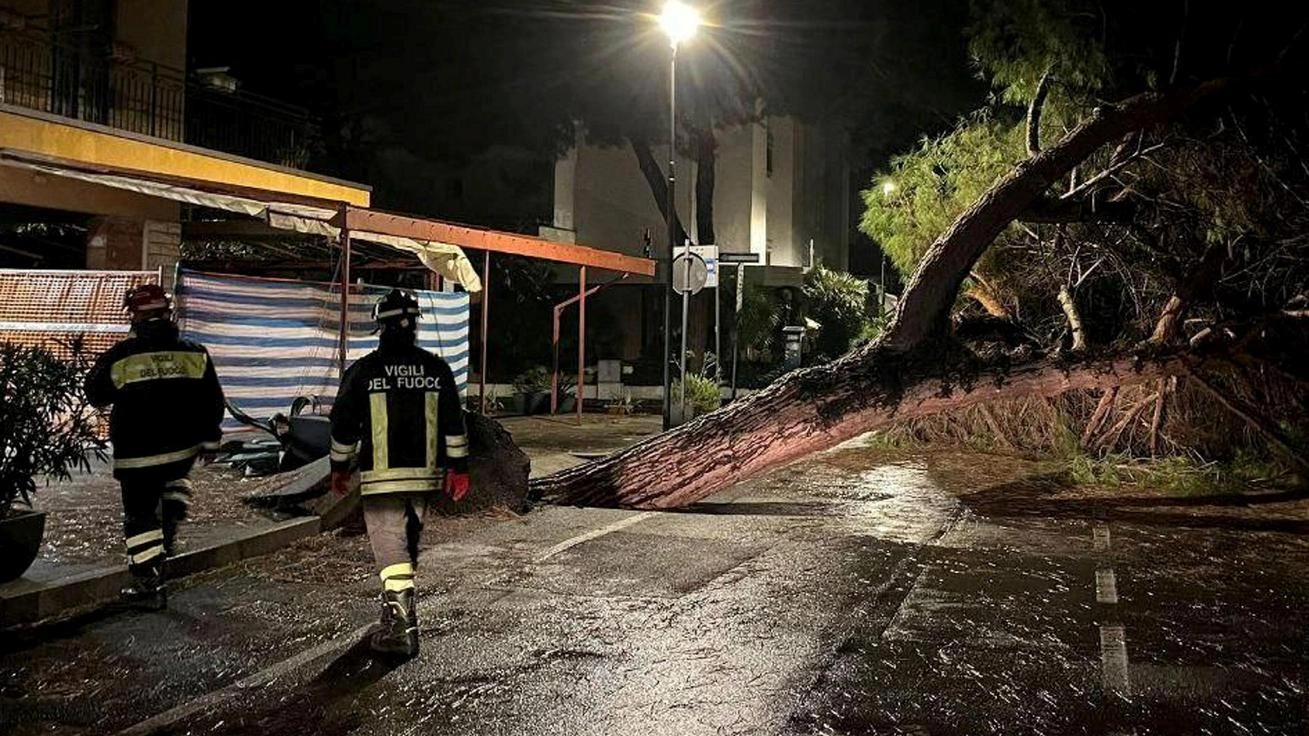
(679, 21)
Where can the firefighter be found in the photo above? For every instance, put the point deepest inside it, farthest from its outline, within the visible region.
(167, 411)
(399, 419)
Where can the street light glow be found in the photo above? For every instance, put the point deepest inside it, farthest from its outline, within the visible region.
(679, 21)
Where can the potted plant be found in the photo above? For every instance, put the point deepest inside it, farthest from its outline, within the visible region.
(47, 430)
(533, 385)
(702, 397)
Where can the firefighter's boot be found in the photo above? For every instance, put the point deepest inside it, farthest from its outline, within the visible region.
(147, 590)
(399, 627)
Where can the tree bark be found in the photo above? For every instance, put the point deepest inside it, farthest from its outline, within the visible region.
(1074, 317)
(657, 179)
(1034, 114)
(1201, 280)
(902, 375)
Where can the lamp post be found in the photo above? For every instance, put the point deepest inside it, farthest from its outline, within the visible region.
(679, 22)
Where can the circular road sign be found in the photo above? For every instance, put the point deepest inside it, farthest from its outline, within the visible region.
(690, 272)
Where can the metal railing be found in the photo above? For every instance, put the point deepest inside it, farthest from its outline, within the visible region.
(151, 99)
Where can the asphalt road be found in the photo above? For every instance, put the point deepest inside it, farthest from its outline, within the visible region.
(838, 596)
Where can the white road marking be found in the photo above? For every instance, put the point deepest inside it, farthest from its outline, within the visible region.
(262, 678)
(1100, 533)
(593, 534)
(1106, 586)
(1113, 659)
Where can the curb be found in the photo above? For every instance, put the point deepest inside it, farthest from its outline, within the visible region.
(23, 602)
(36, 602)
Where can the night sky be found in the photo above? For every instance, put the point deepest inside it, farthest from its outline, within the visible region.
(436, 83)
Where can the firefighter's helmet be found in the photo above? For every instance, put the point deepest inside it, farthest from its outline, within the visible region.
(147, 301)
(397, 309)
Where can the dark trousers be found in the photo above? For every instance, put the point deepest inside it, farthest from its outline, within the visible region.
(155, 502)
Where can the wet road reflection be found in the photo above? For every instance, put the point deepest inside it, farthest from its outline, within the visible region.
(847, 594)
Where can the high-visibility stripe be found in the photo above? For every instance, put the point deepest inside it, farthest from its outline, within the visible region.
(433, 435)
(398, 486)
(376, 476)
(456, 446)
(154, 535)
(397, 312)
(182, 498)
(149, 461)
(181, 484)
(395, 586)
(342, 452)
(158, 366)
(400, 568)
(146, 556)
(381, 450)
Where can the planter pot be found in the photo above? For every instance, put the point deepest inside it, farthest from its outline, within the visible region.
(536, 402)
(20, 540)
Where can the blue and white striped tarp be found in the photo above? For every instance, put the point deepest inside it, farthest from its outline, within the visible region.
(274, 340)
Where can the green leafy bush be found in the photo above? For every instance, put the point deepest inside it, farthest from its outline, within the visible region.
(47, 429)
(838, 302)
(702, 396)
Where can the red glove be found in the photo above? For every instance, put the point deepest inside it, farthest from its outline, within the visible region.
(456, 484)
(341, 483)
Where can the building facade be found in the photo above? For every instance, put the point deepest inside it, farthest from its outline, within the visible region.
(102, 86)
(781, 191)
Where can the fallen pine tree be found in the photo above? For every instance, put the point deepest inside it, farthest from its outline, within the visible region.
(913, 369)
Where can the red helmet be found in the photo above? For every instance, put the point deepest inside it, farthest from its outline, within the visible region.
(147, 298)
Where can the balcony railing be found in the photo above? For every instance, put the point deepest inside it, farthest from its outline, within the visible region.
(151, 99)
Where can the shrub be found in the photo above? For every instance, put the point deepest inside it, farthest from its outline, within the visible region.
(47, 429)
(838, 302)
(534, 380)
(703, 394)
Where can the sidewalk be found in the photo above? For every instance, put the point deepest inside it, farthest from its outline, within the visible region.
(81, 563)
(555, 443)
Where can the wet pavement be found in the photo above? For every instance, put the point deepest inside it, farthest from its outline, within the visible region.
(847, 594)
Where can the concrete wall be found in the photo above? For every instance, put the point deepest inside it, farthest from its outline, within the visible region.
(601, 195)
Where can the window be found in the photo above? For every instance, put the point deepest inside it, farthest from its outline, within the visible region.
(768, 164)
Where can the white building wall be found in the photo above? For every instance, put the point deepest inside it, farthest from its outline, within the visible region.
(602, 197)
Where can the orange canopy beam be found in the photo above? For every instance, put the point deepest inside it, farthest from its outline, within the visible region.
(463, 236)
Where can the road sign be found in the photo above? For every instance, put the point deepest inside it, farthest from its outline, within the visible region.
(710, 255)
(737, 258)
(690, 273)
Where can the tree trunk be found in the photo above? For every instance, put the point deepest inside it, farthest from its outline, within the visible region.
(657, 179)
(814, 409)
(897, 377)
(706, 158)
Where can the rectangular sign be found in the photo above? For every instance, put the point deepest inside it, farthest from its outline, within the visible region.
(735, 258)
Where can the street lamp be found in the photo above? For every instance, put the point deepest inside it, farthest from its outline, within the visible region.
(679, 22)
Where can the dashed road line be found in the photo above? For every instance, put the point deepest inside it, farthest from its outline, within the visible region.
(1113, 659)
(1106, 586)
(1100, 536)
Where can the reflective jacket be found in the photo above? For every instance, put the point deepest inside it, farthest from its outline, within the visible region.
(399, 414)
(167, 404)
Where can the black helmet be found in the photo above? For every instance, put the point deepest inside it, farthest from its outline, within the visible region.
(397, 309)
